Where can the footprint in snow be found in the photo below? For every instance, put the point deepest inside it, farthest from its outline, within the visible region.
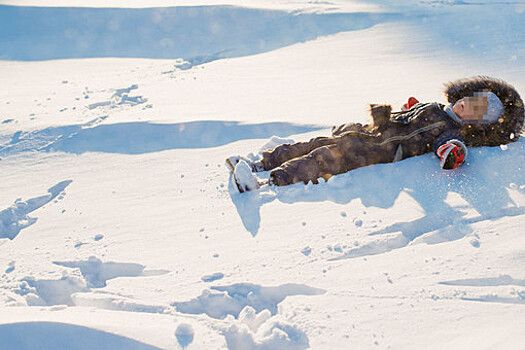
(212, 277)
(306, 251)
(184, 334)
(11, 267)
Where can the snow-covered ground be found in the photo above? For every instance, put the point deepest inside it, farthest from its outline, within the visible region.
(119, 224)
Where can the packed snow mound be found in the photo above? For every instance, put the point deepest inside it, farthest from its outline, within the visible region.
(272, 335)
(222, 301)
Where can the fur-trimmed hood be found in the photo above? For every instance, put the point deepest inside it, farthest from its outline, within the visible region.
(508, 127)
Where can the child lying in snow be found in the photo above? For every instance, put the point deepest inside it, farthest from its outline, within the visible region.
(482, 111)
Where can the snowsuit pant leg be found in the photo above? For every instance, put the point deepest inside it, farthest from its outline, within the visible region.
(283, 153)
(345, 154)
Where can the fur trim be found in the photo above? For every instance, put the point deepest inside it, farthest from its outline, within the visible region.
(508, 127)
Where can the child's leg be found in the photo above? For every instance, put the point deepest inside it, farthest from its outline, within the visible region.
(322, 162)
(346, 154)
(283, 153)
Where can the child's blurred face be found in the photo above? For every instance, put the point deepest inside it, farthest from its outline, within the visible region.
(471, 108)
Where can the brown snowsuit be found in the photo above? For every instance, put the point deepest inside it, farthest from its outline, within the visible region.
(395, 136)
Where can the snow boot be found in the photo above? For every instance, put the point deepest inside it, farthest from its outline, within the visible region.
(232, 161)
(244, 177)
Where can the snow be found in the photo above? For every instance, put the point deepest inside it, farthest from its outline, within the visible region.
(120, 226)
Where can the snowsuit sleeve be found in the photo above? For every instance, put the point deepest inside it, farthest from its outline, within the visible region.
(446, 137)
(343, 129)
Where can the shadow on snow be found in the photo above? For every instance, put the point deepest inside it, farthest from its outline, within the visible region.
(51, 335)
(198, 34)
(144, 137)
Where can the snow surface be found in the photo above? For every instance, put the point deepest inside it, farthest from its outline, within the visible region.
(120, 226)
